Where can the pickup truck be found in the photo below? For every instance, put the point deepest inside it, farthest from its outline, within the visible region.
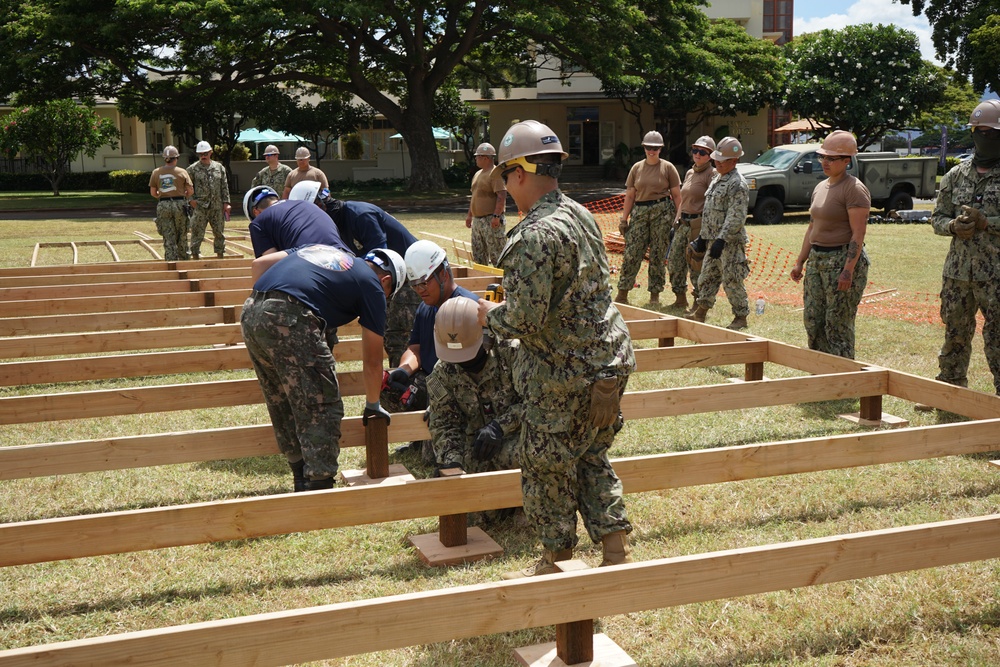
(785, 176)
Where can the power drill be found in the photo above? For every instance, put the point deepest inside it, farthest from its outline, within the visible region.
(494, 292)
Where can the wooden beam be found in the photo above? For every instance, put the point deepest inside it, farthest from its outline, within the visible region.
(154, 528)
(109, 304)
(119, 341)
(120, 277)
(124, 268)
(303, 635)
(944, 396)
(141, 319)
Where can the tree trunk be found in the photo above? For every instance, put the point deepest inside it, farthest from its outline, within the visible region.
(426, 175)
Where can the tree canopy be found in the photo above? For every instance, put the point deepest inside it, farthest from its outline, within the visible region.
(966, 36)
(54, 133)
(866, 79)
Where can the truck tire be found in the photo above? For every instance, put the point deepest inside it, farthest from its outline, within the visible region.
(900, 201)
(768, 211)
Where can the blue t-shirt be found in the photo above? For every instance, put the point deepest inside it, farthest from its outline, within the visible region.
(332, 283)
(423, 329)
(364, 227)
(291, 224)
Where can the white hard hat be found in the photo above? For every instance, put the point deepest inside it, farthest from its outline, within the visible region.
(203, 147)
(390, 261)
(423, 258)
(170, 152)
(253, 197)
(305, 190)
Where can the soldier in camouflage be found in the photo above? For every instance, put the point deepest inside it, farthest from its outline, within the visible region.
(575, 355)
(687, 223)
(968, 211)
(475, 414)
(724, 237)
(211, 200)
(169, 185)
(297, 294)
(274, 174)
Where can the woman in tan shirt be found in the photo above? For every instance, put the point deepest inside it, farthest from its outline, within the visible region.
(687, 221)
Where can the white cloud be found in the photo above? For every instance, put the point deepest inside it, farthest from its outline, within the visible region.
(876, 12)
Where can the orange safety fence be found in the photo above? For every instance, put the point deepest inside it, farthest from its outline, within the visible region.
(769, 269)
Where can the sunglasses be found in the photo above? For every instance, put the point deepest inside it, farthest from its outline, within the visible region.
(833, 158)
(988, 132)
(507, 172)
(700, 151)
(651, 148)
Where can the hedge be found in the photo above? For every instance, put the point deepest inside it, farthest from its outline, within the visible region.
(90, 180)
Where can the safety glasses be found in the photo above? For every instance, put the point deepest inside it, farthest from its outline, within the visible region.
(699, 151)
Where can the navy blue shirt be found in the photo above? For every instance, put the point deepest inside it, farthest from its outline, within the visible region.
(423, 329)
(291, 224)
(331, 282)
(364, 227)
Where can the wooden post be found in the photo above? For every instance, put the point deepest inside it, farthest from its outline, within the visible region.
(754, 371)
(377, 448)
(871, 408)
(665, 342)
(575, 641)
(453, 529)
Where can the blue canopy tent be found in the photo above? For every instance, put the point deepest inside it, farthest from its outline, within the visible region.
(257, 137)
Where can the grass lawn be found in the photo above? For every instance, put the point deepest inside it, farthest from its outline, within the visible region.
(943, 616)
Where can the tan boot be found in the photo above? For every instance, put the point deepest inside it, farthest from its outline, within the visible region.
(699, 314)
(681, 301)
(616, 549)
(545, 565)
(622, 296)
(654, 297)
(739, 322)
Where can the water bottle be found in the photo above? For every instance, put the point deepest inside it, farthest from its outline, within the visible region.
(761, 304)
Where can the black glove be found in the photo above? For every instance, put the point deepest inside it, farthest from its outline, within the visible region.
(488, 441)
(699, 244)
(375, 411)
(716, 251)
(399, 379)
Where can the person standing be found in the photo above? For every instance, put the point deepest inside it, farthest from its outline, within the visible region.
(303, 172)
(833, 250)
(170, 185)
(724, 237)
(652, 196)
(274, 174)
(487, 205)
(211, 201)
(687, 223)
(575, 355)
(968, 211)
(297, 294)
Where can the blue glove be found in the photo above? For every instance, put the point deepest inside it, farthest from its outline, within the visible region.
(715, 252)
(375, 411)
(488, 441)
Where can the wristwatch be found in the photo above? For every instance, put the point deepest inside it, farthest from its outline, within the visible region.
(496, 215)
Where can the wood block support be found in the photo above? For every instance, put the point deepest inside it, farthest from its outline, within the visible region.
(453, 529)
(871, 414)
(754, 371)
(377, 448)
(665, 342)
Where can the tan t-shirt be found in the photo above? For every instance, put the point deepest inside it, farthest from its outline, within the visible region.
(170, 181)
(694, 187)
(310, 174)
(652, 181)
(485, 186)
(831, 225)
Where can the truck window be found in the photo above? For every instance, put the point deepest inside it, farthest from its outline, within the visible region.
(776, 157)
(813, 159)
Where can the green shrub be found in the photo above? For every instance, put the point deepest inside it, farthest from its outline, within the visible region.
(457, 174)
(88, 180)
(354, 147)
(129, 180)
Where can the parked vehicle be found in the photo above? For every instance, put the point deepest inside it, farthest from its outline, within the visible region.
(785, 176)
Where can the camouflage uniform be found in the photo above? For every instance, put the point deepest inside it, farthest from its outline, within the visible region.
(172, 225)
(487, 242)
(297, 373)
(829, 314)
(211, 191)
(399, 323)
(461, 404)
(971, 275)
(558, 303)
(649, 227)
(272, 179)
(677, 264)
(725, 215)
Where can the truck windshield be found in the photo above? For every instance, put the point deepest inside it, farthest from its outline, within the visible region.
(776, 157)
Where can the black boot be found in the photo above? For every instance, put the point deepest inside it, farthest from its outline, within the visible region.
(299, 481)
(319, 484)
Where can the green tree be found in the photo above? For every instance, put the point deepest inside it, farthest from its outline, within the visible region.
(383, 51)
(966, 36)
(54, 133)
(321, 123)
(866, 79)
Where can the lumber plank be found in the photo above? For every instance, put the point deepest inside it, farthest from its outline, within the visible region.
(119, 341)
(49, 292)
(123, 267)
(121, 277)
(110, 304)
(118, 321)
(119, 532)
(943, 396)
(303, 635)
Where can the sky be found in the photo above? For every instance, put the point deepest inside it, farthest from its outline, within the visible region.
(813, 15)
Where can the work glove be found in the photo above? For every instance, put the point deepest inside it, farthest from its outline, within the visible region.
(715, 252)
(605, 402)
(976, 216)
(963, 228)
(699, 245)
(399, 379)
(375, 411)
(488, 441)
(623, 227)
